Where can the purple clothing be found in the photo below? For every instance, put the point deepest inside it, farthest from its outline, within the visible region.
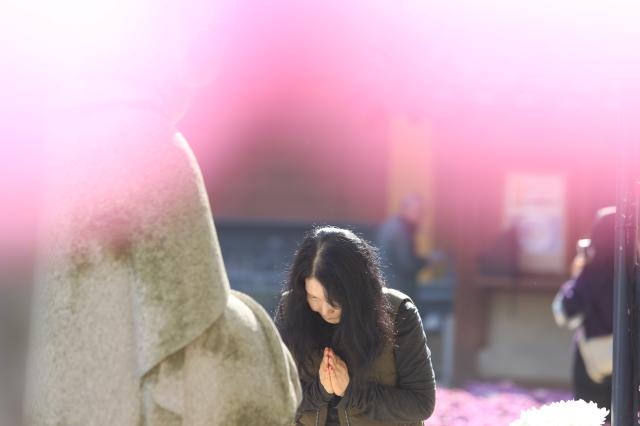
(591, 295)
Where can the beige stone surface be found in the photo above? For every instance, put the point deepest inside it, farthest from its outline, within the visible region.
(134, 322)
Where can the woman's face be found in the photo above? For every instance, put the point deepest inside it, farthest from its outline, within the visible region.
(317, 299)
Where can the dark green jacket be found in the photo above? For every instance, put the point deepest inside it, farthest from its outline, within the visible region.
(402, 389)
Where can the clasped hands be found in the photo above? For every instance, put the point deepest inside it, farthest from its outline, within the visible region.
(334, 374)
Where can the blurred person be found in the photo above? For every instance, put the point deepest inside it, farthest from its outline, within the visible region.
(360, 347)
(134, 322)
(396, 240)
(585, 303)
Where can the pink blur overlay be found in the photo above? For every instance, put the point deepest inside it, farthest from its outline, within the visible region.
(301, 94)
(508, 77)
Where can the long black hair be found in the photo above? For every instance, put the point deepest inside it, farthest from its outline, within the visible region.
(603, 237)
(348, 268)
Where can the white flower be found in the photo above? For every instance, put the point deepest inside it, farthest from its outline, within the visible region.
(563, 413)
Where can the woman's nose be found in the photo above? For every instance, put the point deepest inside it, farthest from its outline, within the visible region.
(326, 310)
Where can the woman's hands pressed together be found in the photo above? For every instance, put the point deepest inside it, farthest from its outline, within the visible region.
(325, 378)
(334, 373)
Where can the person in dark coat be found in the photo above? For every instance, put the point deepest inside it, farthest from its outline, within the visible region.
(360, 347)
(586, 303)
(396, 241)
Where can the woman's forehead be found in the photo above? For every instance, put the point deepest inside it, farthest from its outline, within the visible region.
(314, 287)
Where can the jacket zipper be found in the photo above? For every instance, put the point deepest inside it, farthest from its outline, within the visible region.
(346, 415)
(317, 417)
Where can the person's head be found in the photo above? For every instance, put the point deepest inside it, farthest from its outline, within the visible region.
(335, 280)
(601, 247)
(411, 208)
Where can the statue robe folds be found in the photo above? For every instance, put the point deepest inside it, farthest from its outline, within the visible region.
(134, 322)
